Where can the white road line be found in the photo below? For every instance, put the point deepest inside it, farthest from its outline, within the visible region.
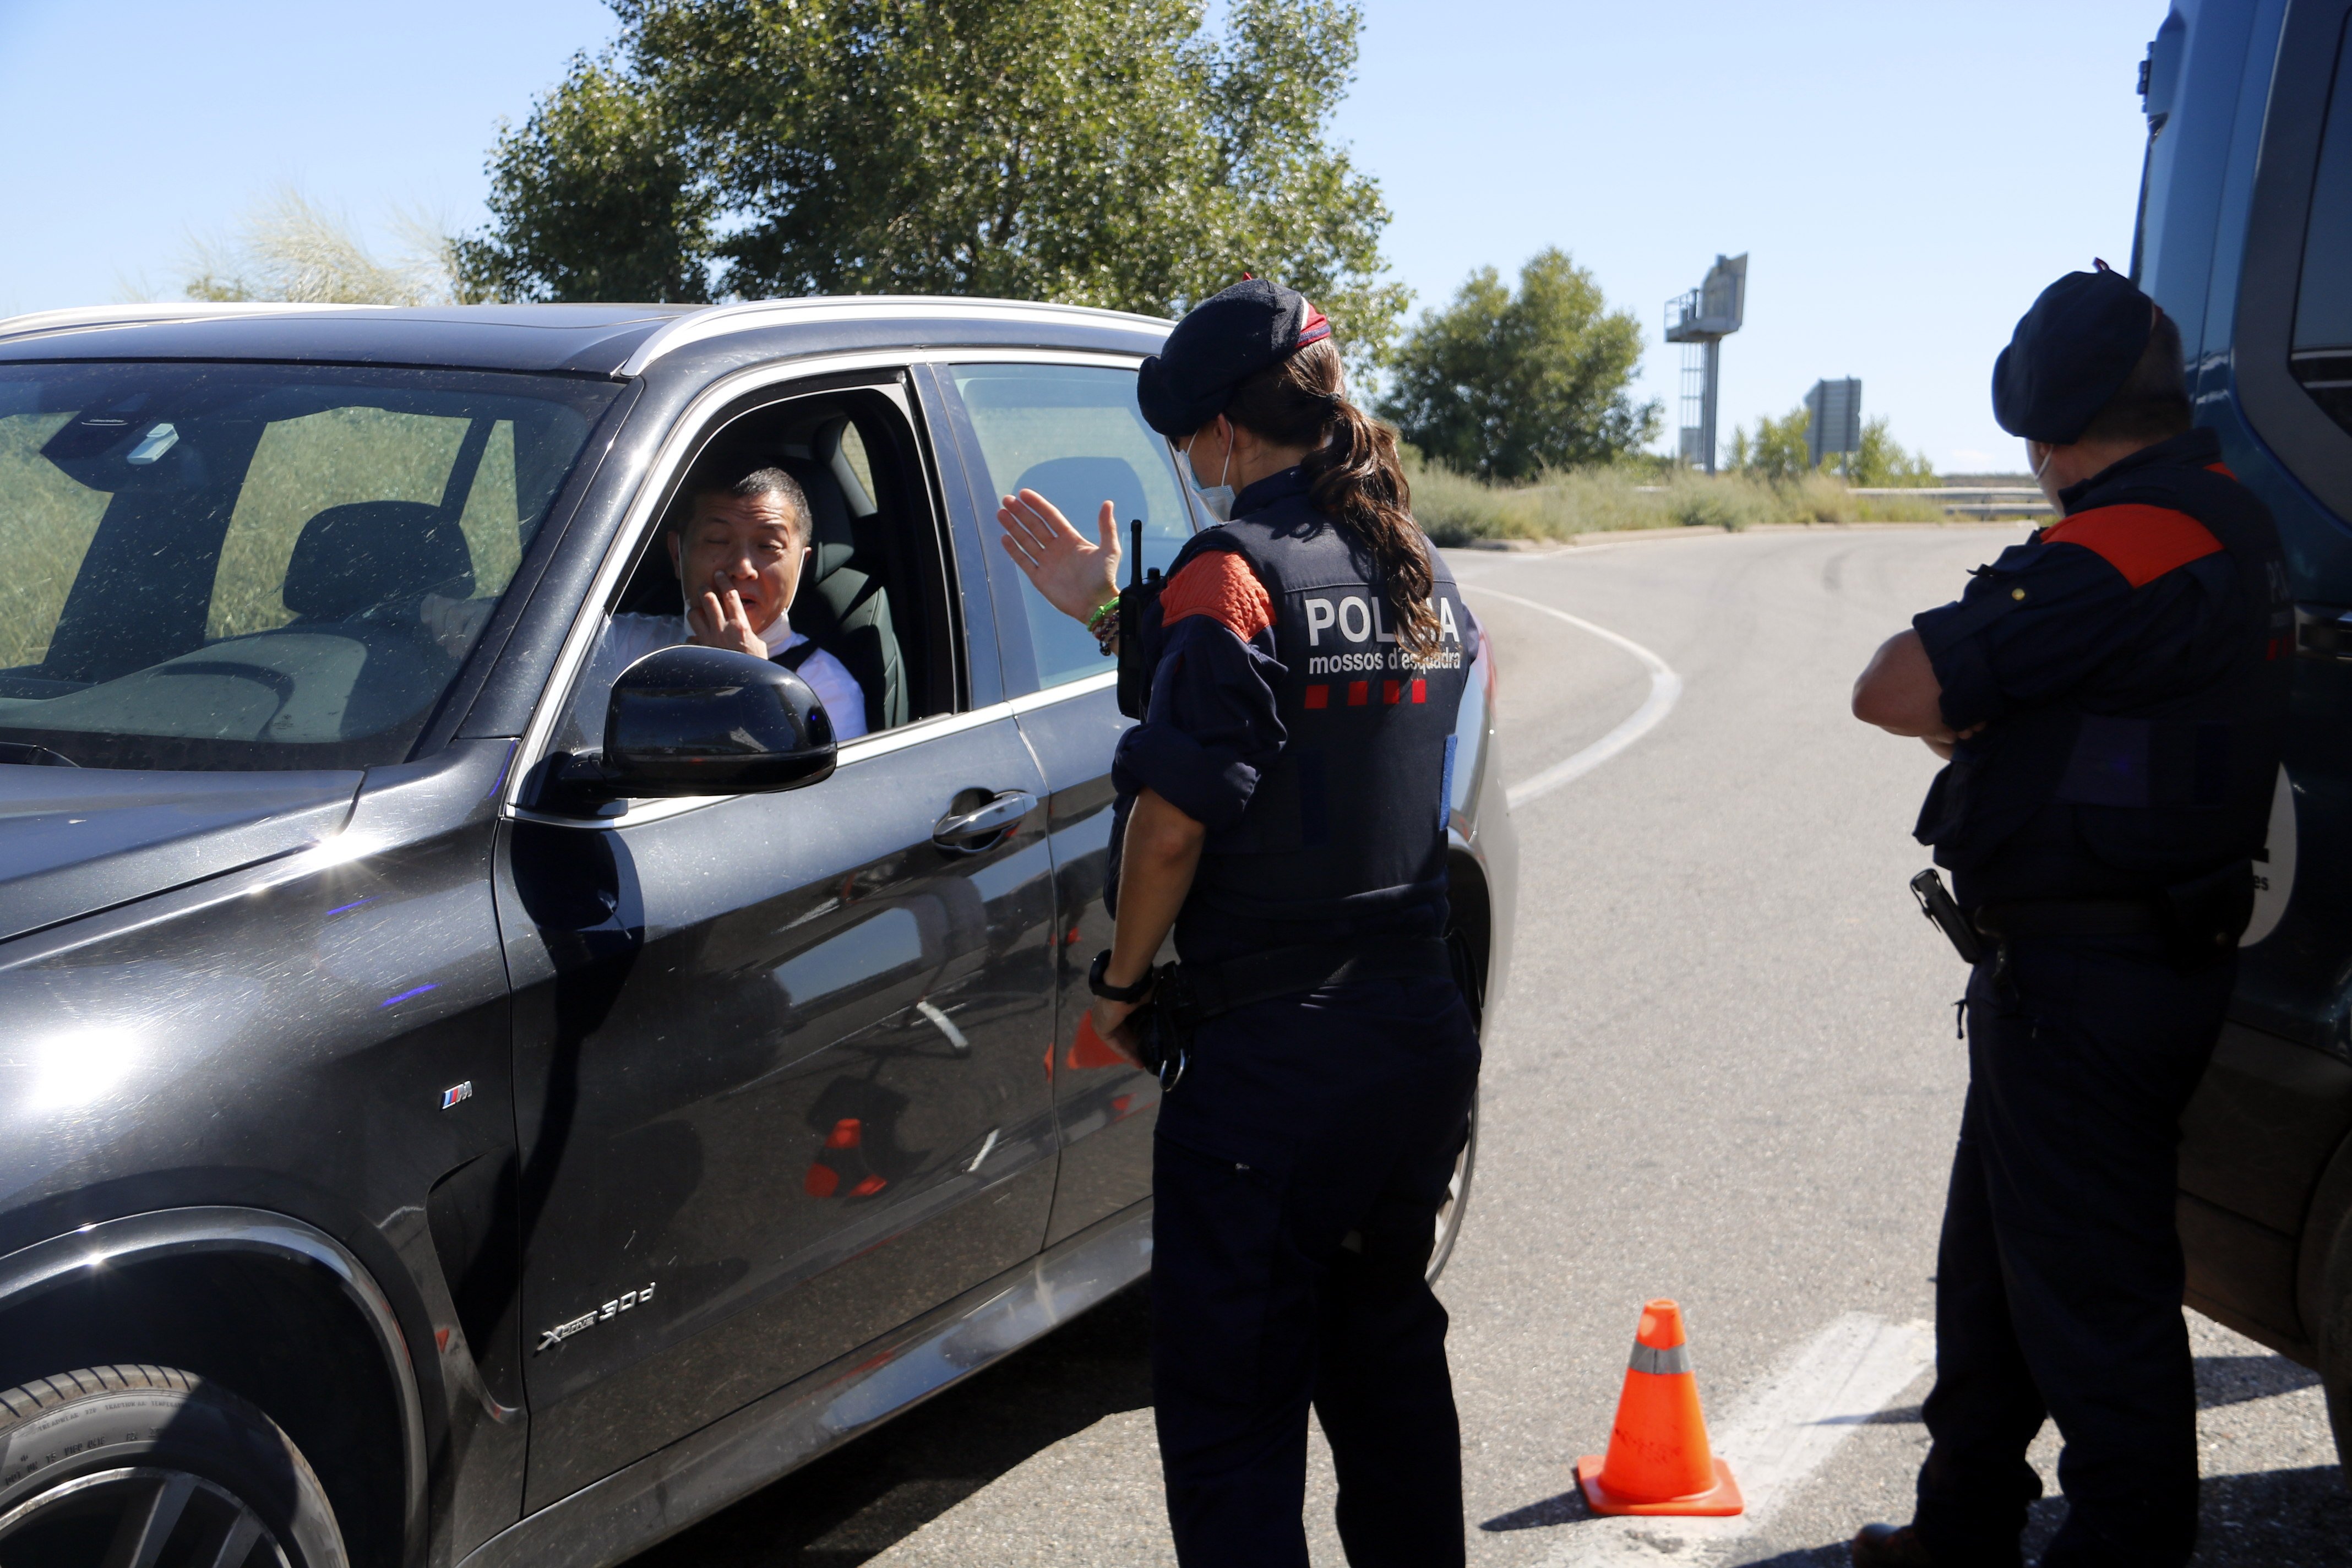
(1781, 1433)
(1666, 691)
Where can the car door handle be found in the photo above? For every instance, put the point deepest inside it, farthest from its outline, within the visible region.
(970, 830)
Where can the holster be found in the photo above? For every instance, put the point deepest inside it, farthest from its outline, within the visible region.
(1162, 1026)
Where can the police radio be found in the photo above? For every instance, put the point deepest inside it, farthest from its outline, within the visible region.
(1134, 670)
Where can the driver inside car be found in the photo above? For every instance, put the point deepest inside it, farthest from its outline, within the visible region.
(739, 547)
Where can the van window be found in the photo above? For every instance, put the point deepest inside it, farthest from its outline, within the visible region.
(1073, 434)
(2321, 354)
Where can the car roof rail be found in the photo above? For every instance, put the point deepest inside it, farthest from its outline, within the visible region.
(84, 317)
(714, 321)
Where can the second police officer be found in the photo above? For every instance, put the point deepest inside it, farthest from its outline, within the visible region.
(2111, 696)
(1281, 808)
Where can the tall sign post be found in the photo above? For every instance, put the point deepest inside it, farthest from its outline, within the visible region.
(1700, 321)
(1834, 422)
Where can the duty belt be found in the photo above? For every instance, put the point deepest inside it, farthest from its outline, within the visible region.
(2072, 917)
(1204, 991)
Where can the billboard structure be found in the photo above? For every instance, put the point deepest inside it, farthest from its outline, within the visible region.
(1834, 422)
(1700, 321)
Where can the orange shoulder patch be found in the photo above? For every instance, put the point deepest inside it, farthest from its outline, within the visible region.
(1218, 583)
(2142, 542)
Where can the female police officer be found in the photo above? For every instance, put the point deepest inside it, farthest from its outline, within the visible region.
(1281, 806)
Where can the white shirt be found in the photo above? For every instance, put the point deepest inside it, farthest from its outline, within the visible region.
(628, 638)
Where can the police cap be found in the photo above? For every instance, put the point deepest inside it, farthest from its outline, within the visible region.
(2071, 352)
(1220, 342)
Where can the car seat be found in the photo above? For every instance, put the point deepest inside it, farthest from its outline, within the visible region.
(844, 605)
(349, 559)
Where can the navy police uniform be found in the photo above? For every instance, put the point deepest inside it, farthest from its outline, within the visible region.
(2128, 667)
(1301, 1158)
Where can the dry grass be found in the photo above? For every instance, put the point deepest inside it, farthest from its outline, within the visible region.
(287, 246)
(1456, 510)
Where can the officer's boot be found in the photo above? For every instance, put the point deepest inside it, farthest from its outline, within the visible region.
(1890, 1546)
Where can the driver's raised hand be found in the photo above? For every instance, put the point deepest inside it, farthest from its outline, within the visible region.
(1075, 577)
(719, 620)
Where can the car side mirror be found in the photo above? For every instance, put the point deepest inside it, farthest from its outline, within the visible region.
(692, 720)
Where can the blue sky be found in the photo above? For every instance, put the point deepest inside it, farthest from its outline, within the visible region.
(1904, 176)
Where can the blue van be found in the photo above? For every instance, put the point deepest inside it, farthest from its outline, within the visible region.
(2244, 235)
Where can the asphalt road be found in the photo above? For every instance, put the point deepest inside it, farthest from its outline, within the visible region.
(1725, 1071)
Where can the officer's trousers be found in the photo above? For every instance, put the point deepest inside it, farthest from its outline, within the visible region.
(1298, 1172)
(2059, 1275)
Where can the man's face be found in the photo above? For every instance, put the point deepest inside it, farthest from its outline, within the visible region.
(753, 544)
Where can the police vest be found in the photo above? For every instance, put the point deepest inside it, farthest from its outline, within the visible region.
(2061, 801)
(1352, 814)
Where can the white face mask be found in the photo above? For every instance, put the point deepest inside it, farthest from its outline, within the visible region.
(2042, 470)
(1216, 499)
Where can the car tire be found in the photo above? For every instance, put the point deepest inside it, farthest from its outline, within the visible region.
(134, 1464)
(1457, 1198)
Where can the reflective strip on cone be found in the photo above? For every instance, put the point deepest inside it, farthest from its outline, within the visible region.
(1665, 1363)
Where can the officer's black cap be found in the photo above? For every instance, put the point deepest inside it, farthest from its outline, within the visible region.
(2070, 354)
(1220, 342)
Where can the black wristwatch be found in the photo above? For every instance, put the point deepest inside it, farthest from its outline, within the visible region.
(1109, 993)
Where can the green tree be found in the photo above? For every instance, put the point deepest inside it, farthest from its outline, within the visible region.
(1115, 155)
(594, 199)
(1883, 463)
(1778, 451)
(1505, 385)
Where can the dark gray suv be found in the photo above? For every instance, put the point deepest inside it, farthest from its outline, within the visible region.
(425, 1140)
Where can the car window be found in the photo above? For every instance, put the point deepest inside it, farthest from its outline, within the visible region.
(258, 566)
(1073, 434)
(2321, 354)
(870, 594)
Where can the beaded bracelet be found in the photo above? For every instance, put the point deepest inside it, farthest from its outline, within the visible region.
(1094, 621)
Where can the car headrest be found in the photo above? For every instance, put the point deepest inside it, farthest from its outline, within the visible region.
(350, 557)
(828, 509)
(1079, 485)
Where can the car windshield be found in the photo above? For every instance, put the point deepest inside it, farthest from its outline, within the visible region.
(258, 566)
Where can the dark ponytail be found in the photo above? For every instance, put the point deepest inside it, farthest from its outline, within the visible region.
(1356, 478)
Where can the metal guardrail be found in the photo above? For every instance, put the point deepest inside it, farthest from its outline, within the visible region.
(1987, 502)
(1990, 502)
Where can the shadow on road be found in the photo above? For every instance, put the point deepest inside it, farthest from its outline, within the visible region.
(865, 1497)
(2276, 1519)
(2234, 1379)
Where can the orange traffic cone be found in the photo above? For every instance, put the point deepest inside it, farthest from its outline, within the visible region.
(1658, 1458)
